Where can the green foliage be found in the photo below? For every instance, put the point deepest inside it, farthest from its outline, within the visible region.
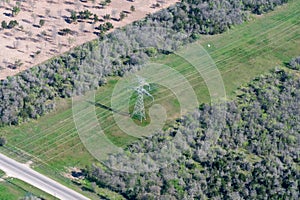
(4, 24)
(122, 15)
(86, 14)
(96, 18)
(42, 22)
(15, 11)
(65, 31)
(12, 24)
(105, 27)
(228, 169)
(53, 136)
(68, 66)
(106, 17)
(212, 16)
(132, 8)
(151, 51)
(73, 16)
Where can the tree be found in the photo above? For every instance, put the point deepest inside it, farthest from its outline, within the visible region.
(122, 15)
(4, 24)
(42, 22)
(73, 16)
(96, 18)
(65, 31)
(132, 8)
(106, 17)
(87, 14)
(15, 11)
(12, 24)
(3, 141)
(109, 25)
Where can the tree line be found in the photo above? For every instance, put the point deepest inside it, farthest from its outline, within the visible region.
(32, 93)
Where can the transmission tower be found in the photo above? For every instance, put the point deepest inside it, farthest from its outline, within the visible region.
(139, 107)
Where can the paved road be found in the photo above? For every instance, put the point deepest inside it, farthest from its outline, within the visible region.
(18, 170)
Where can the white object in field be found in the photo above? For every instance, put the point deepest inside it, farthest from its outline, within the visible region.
(208, 45)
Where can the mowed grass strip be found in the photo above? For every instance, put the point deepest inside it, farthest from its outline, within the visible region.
(12, 189)
(242, 53)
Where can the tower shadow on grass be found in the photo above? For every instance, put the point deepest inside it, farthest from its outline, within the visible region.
(109, 108)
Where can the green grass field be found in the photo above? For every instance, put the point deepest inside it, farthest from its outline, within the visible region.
(242, 53)
(10, 192)
(12, 189)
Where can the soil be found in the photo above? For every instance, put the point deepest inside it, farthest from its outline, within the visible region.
(29, 44)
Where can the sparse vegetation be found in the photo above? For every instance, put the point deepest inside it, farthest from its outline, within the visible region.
(60, 13)
(132, 8)
(15, 11)
(122, 15)
(105, 27)
(86, 14)
(65, 31)
(73, 16)
(4, 24)
(42, 22)
(18, 63)
(106, 17)
(96, 18)
(12, 24)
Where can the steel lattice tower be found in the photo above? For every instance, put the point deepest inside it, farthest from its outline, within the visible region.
(139, 107)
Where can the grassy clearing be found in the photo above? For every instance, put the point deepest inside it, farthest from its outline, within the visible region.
(256, 46)
(240, 54)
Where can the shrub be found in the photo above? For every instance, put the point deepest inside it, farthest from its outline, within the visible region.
(65, 31)
(132, 8)
(4, 24)
(12, 24)
(42, 22)
(15, 11)
(2, 141)
(295, 63)
(73, 16)
(122, 15)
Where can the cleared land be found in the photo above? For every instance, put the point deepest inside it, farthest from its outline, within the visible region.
(240, 54)
(30, 42)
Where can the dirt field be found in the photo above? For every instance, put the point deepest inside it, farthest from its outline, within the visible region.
(29, 43)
